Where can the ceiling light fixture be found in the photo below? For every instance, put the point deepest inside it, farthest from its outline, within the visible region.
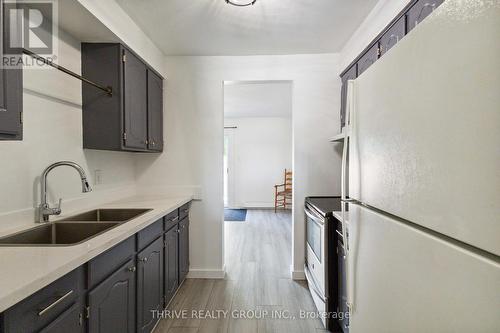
(241, 3)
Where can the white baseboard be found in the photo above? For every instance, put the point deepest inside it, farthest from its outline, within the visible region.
(297, 275)
(206, 273)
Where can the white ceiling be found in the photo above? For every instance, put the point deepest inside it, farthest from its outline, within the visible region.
(212, 27)
(258, 99)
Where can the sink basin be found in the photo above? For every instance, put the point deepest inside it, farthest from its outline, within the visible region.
(57, 234)
(108, 215)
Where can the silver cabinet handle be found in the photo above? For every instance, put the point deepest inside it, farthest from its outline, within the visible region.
(3, 110)
(185, 211)
(175, 219)
(145, 259)
(132, 269)
(59, 300)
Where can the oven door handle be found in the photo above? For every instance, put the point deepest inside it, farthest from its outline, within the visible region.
(314, 218)
(312, 285)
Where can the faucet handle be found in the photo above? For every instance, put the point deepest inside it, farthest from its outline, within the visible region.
(57, 210)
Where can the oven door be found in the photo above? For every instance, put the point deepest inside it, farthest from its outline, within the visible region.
(315, 252)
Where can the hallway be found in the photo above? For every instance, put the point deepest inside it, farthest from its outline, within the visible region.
(258, 258)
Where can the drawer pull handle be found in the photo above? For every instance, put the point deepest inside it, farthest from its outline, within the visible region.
(175, 219)
(132, 269)
(185, 211)
(145, 259)
(59, 300)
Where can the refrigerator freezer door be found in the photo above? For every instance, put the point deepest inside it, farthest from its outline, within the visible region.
(408, 281)
(425, 137)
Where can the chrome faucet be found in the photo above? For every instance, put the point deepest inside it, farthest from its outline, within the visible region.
(44, 210)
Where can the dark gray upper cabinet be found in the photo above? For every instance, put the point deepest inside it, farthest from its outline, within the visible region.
(419, 11)
(171, 263)
(368, 59)
(121, 121)
(407, 19)
(155, 112)
(351, 74)
(392, 36)
(183, 249)
(11, 89)
(112, 303)
(135, 105)
(149, 285)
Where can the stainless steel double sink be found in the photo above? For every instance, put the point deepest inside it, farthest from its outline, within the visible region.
(72, 230)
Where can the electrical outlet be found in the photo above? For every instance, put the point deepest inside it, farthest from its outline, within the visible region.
(98, 177)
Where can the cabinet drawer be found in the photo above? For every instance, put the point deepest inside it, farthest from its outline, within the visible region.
(70, 320)
(102, 266)
(184, 211)
(46, 305)
(171, 219)
(149, 234)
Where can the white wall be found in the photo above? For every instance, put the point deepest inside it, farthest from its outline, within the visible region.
(114, 18)
(262, 150)
(375, 22)
(53, 132)
(194, 140)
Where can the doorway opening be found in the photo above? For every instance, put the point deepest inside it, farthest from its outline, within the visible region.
(258, 142)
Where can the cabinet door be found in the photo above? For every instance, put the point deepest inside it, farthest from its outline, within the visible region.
(171, 263)
(69, 321)
(393, 35)
(11, 99)
(135, 102)
(112, 303)
(183, 249)
(155, 112)
(351, 74)
(368, 59)
(149, 285)
(419, 11)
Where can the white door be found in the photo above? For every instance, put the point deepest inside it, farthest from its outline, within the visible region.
(405, 280)
(229, 160)
(425, 129)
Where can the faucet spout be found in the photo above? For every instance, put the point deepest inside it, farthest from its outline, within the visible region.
(44, 209)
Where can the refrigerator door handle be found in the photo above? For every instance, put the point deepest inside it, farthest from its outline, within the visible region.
(344, 197)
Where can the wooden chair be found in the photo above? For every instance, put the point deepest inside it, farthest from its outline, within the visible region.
(283, 192)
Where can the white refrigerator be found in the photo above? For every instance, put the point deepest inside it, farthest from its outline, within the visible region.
(422, 179)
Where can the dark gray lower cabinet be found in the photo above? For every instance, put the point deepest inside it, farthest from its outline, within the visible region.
(47, 306)
(149, 285)
(171, 263)
(183, 249)
(112, 303)
(115, 291)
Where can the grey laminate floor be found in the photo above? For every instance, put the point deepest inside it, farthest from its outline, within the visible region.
(258, 258)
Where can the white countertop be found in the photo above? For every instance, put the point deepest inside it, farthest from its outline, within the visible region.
(25, 270)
